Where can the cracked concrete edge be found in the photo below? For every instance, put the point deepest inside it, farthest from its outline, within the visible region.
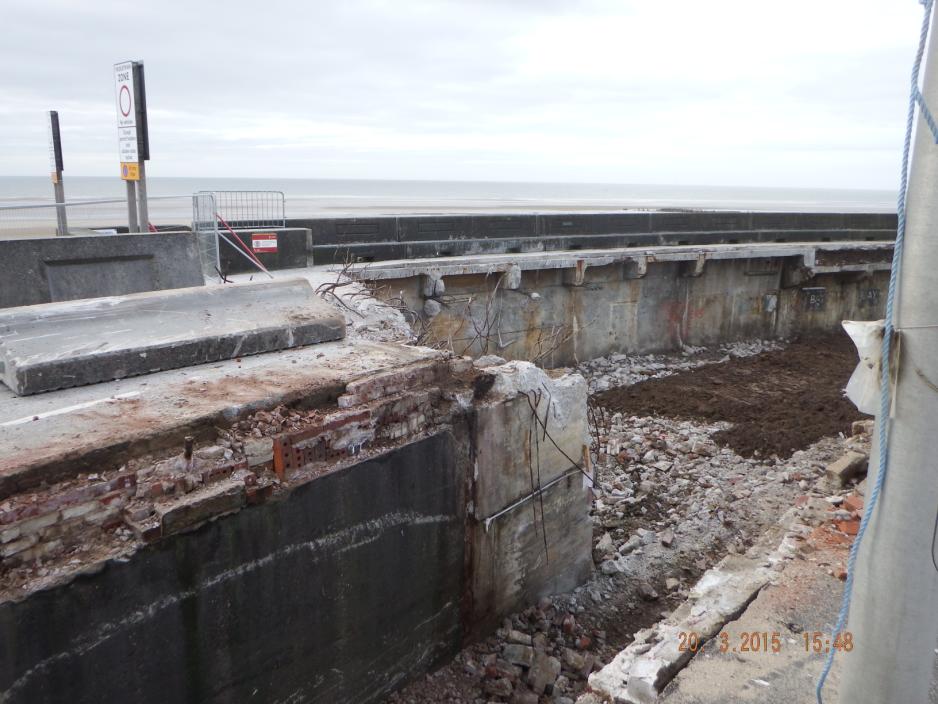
(638, 674)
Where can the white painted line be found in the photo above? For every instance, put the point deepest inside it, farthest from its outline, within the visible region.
(35, 337)
(69, 409)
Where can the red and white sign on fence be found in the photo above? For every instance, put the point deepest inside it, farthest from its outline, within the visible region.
(264, 242)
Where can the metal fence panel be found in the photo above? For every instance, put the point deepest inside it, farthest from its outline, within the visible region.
(251, 209)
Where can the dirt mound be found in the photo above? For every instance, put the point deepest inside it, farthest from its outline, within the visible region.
(778, 402)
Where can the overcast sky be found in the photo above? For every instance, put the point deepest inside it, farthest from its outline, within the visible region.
(725, 92)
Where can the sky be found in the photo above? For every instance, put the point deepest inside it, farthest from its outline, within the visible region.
(809, 93)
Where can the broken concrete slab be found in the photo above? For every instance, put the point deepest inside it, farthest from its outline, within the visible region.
(51, 436)
(207, 502)
(850, 465)
(63, 345)
(639, 673)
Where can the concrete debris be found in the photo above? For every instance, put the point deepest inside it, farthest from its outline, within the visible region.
(488, 360)
(624, 369)
(432, 308)
(639, 673)
(849, 466)
(669, 504)
(366, 316)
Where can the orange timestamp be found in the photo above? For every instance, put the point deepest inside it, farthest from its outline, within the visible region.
(763, 642)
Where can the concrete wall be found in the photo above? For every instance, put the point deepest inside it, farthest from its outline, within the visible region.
(559, 316)
(348, 583)
(407, 237)
(530, 529)
(294, 251)
(47, 269)
(338, 593)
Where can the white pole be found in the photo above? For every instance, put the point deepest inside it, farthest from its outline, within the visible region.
(894, 613)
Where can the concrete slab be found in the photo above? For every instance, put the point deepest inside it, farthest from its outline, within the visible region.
(804, 599)
(51, 436)
(63, 345)
(819, 257)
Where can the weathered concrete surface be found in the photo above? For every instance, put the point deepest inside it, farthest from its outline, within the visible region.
(639, 673)
(335, 594)
(536, 547)
(409, 236)
(559, 309)
(62, 345)
(50, 436)
(530, 531)
(514, 453)
(48, 269)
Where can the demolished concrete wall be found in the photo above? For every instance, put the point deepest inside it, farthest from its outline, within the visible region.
(563, 309)
(531, 483)
(329, 551)
(335, 594)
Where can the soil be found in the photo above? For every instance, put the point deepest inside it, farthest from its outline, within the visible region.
(778, 402)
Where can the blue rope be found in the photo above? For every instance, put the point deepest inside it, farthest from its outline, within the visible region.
(926, 113)
(884, 404)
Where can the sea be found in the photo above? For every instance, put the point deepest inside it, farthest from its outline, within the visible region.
(309, 197)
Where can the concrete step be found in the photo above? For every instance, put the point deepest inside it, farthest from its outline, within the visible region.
(73, 343)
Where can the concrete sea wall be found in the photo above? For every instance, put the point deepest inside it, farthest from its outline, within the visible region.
(558, 309)
(49, 269)
(407, 237)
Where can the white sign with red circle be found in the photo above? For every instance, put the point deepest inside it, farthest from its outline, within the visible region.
(264, 241)
(126, 111)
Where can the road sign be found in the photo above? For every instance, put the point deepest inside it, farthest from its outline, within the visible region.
(130, 170)
(126, 97)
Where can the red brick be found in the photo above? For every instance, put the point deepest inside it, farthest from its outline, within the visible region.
(853, 503)
(849, 527)
(258, 494)
(128, 480)
(114, 497)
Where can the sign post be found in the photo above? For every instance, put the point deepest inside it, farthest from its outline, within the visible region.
(132, 138)
(56, 167)
(143, 144)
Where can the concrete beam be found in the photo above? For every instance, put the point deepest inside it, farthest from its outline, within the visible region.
(865, 256)
(62, 345)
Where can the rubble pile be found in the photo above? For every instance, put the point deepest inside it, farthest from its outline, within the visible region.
(669, 504)
(664, 486)
(615, 370)
(541, 654)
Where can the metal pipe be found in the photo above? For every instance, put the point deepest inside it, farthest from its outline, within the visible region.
(894, 613)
